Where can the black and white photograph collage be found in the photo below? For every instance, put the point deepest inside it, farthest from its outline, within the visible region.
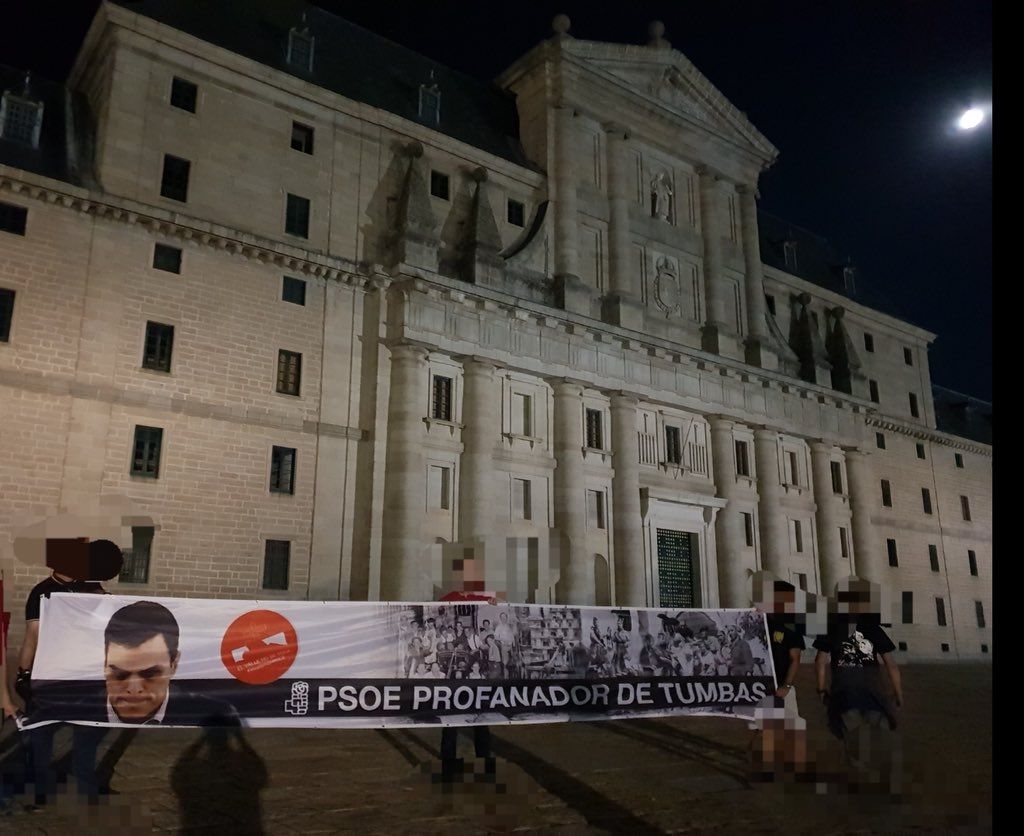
(509, 642)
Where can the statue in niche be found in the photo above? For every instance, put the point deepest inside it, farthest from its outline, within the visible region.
(661, 197)
(667, 294)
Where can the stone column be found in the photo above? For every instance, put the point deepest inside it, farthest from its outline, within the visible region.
(402, 573)
(772, 519)
(757, 350)
(734, 588)
(622, 305)
(481, 431)
(868, 560)
(573, 294)
(831, 564)
(576, 585)
(630, 577)
(715, 332)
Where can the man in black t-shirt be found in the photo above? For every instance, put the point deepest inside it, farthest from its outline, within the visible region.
(858, 650)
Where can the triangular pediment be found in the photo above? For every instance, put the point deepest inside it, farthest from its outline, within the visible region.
(668, 79)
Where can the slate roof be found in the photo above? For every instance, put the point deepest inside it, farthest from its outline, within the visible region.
(65, 139)
(962, 415)
(351, 61)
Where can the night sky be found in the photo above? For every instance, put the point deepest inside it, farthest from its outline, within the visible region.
(859, 96)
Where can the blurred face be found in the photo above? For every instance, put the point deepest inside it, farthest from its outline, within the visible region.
(138, 677)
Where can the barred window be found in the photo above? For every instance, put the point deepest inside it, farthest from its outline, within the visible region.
(289, 372)
(276, 557)
(594, 434)
(300, 49)
(146, 451)
(282, 470)
(159, 343)
(441, 409)
(135, 568)
(430, 104)
(20, 120)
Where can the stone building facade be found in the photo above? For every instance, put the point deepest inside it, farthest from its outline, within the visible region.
(314, 303)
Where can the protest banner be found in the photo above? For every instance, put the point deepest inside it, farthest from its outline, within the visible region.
(124, 661)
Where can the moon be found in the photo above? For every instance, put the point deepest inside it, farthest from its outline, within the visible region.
(971, 118)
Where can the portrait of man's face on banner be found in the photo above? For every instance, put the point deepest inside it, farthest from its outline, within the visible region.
(140, 659)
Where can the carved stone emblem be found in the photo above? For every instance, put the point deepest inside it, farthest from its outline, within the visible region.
(667, 293)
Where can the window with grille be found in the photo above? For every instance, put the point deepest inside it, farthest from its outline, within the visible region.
(146, 451)
(880, 441)
(926, 500)
(159, 343)
(742, 458)
(21, 120)
(979, 612)
(6, 313)
(430, 104)
(940, 611)
(276, 557)
(914, 411)
(294, 291)
(135, 568)
(289, 372)
(886, 494)
(439, 185)
(837, 477)
(184, 94)
(673, 445)
(302, 138)
(890, 547)
(933, 557)
(13, 218)
(282, 470)
(595, 438)
(296, 218)
(748, 528)
(972, 562)
(441, 408)
(516, 213)
(844, 543)
(174, 183)
(300, 49)
(965, 508)
(167, 258)
(873, 390)
(908, 607)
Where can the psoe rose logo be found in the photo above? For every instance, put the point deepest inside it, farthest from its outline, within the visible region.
(259, 647)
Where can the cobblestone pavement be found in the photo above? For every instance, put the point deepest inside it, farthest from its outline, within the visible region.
(686, 775)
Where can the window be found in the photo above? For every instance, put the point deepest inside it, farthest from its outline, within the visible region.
(945, 647)
(894, 558)
(20, 120)
(13, 218)
(594, 435)
(300, 48)
(673, 445)
(748, 528)
(6, 313)
(156, 354)
(798, 535)
(595, 509)
(742, 459)
(441, 408)
(516, 213)
(933, 556)
(430, 103)
(296, 218)
(901, 645)
(972, 561)
(801, 580)
(794, 474)
(979, 612)
(770, 302)
(940, 611)
(146, 452)
(959, 459)
(167, 258)
(908, 356)
(873, 389)
(439, 184)
(184, 95)
(965, 508)
(908, 607)
(174, 183)
(135, 568)
(522, 414)
(844, 543)
(522, 508)
(276, 557)
(289, 372)
(869, 342)
(920, 451)
(294, 291)
(302, 138)
(914, 411)
(984, 648)
(837, 477)
(880, 441)
(886, 494)
(282, 470)
(926, 500)
(789, 253)
(439, 487)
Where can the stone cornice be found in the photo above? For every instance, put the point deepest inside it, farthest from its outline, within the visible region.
(187, 229)
(885, 422)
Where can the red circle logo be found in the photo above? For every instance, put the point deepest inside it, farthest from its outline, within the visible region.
(259, 647)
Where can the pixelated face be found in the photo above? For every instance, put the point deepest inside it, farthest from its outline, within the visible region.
(857, 597)
(137, 678)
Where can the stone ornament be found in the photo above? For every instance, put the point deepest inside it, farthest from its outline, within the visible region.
(667, 292)
(661, 197)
